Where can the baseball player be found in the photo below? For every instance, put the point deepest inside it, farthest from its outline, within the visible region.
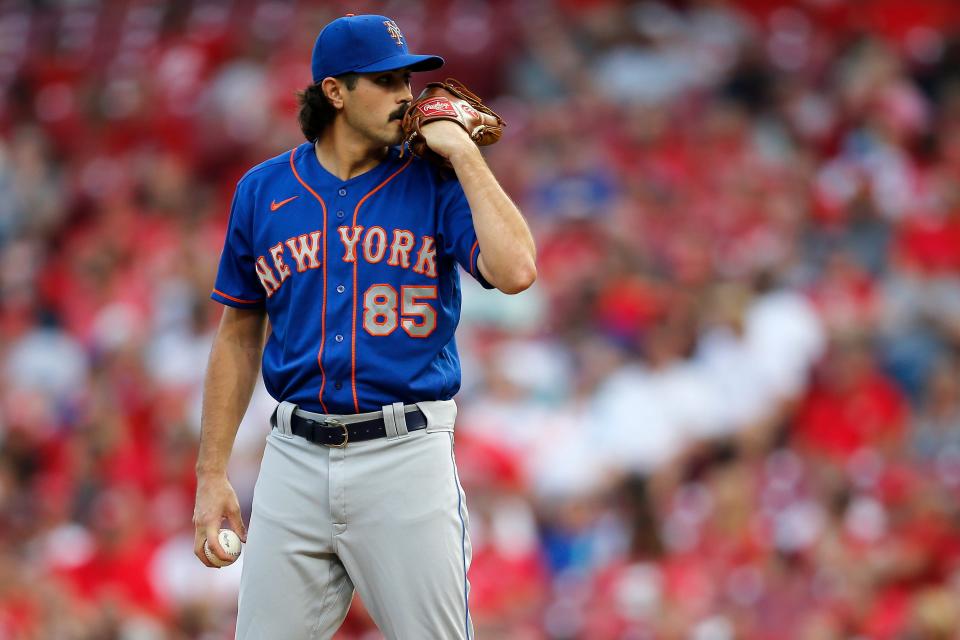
(339, 274)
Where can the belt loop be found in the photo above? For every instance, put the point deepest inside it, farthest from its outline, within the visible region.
(284, 413)
(389, 421)
(400, 418)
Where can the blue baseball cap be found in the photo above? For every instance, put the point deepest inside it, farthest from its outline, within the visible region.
(365, 44)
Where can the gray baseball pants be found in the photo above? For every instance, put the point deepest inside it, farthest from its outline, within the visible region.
(386, 517)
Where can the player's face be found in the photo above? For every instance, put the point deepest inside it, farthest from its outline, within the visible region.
(376, 106)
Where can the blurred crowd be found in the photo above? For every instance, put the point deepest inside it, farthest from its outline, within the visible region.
(729, 408)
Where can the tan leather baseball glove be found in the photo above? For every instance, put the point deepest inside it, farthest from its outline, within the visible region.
(449, 100)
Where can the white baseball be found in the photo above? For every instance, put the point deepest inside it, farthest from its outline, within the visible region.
(230, 542)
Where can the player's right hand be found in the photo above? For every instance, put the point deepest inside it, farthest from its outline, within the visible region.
(216, 501)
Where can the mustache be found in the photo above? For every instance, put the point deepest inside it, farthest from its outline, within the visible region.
(399, 113)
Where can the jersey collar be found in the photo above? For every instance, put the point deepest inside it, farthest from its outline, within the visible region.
(313, 172)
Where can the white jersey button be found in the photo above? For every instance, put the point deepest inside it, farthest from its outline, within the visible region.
(342, 192)
(338, 338)
(340, 288)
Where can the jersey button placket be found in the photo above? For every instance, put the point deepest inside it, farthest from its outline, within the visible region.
(337, 456)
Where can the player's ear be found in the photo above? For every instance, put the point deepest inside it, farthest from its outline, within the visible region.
(333, 90)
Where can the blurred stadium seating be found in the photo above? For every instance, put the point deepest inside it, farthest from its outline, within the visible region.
(730, 407)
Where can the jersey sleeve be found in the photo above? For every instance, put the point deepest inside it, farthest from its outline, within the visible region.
(237, 284)
(458, 237)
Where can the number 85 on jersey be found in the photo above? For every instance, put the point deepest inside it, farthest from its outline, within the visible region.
(384, 309)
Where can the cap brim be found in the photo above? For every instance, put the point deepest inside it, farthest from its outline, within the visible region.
(402, 61)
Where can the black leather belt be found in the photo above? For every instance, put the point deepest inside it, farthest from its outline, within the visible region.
(331, 432)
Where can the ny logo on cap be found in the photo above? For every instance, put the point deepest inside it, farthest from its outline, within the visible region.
(394, 31)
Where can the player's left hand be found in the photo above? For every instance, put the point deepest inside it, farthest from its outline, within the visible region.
(427, 124)
(446, 138)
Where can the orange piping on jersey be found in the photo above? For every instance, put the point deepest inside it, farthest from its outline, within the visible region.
(221, 293)
(472, 249)
(323, 310)
(353, 336)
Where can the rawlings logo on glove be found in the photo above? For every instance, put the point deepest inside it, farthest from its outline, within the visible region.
(449, 100)
(436, 107)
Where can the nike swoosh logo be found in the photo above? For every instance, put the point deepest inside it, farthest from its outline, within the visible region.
(276, 205)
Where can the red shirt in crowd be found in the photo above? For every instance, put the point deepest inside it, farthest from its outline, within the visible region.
(837, 422)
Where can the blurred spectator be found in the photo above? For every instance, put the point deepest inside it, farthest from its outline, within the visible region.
(851, 406)
(935, 433)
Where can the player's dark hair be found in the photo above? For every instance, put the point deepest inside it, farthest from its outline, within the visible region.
(316, 112)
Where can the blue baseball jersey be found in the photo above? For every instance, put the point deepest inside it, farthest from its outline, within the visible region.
(358, 278)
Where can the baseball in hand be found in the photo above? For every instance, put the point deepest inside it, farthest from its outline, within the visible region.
(230, 542)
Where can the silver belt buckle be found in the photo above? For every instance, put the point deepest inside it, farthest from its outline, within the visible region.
(334, 423)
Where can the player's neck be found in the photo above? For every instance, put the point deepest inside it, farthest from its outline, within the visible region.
(347, 155)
